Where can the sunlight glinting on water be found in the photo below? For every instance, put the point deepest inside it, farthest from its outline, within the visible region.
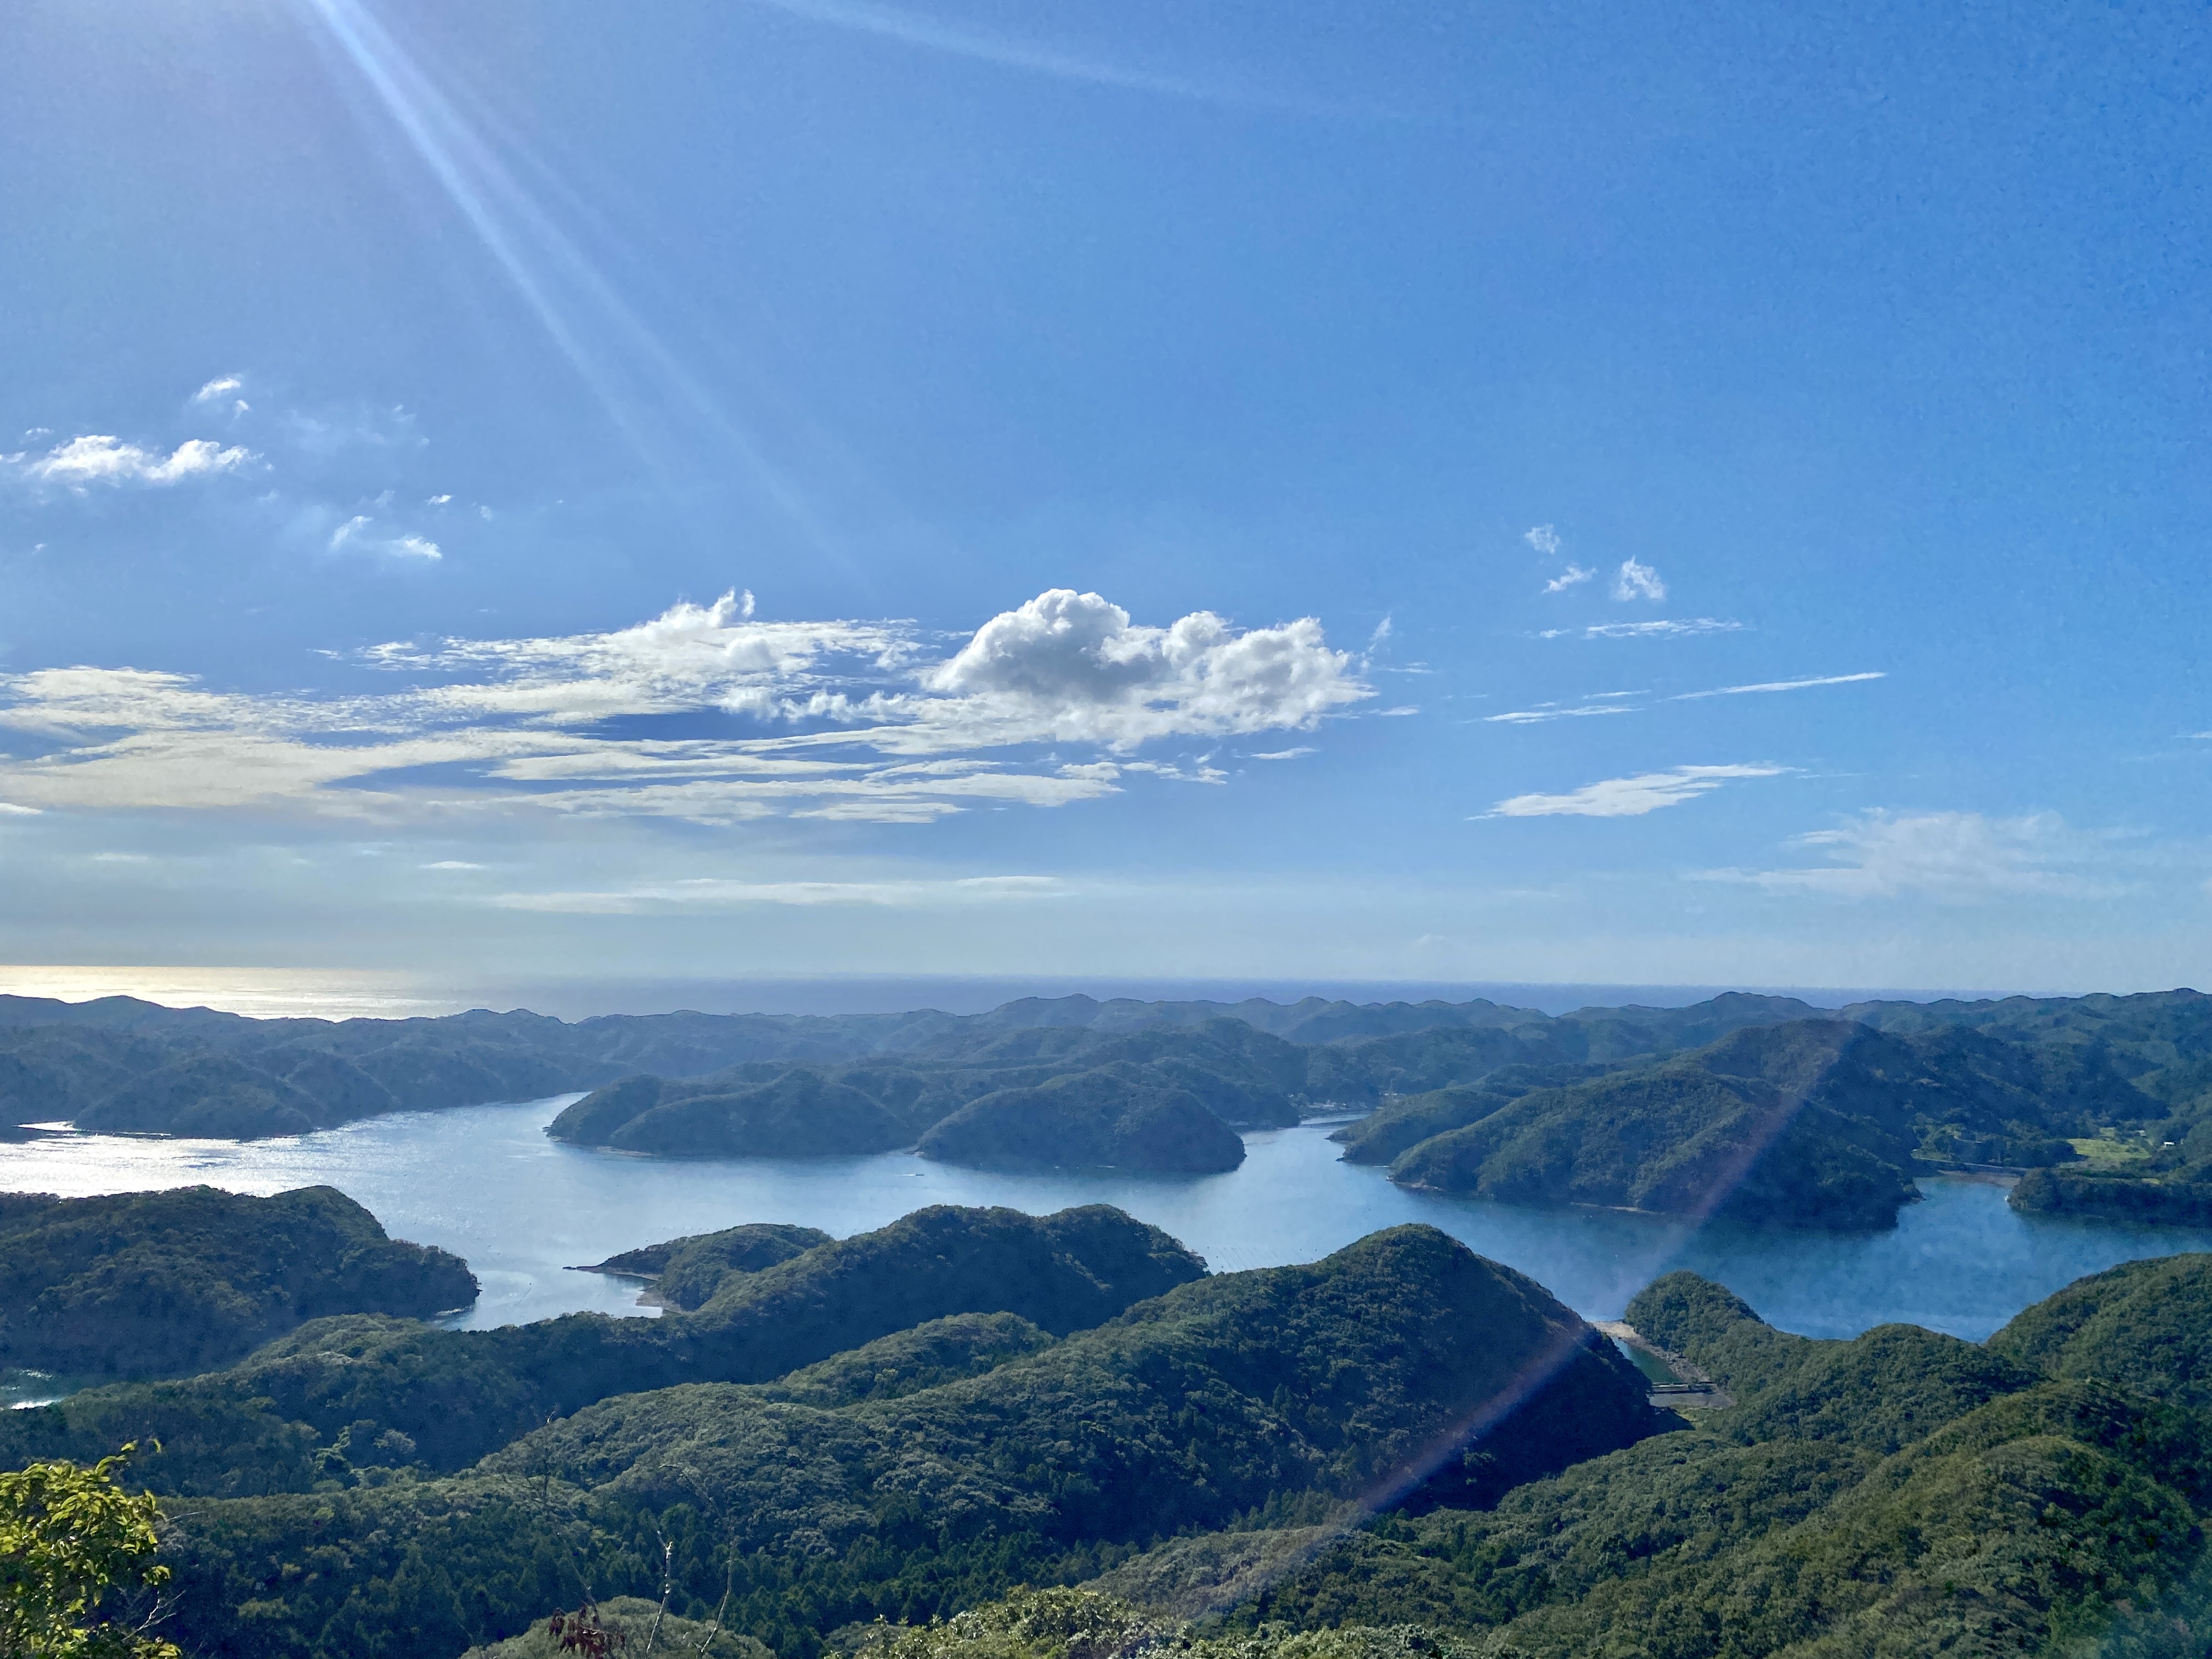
(485, 1181)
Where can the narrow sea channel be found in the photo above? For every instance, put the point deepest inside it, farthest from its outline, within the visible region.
(486, 1184)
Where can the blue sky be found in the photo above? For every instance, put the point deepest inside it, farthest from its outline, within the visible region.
(1363, 491)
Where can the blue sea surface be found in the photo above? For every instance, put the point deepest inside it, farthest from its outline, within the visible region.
(485, 1182)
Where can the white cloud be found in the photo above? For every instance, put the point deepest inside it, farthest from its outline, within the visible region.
(1070, 667)
(453, 864)
(847, 720)
(1553, 711)
(1575, 574)
(1635, 580)
(1955, 857)
(714, 892)
(1777, 686)
(100, 459)
(437, 500)
(1662, 629)
(1381, 632)
(9, 808)
(361, 534)
(1402, 709)
(1544, 540)
(1629, 798)
(221, 387)
(1298, 753)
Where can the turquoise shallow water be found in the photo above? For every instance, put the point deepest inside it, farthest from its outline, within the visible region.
(486, 1184)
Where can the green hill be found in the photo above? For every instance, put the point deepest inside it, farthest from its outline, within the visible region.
(2148, 1324)
(1113, 1115)
(450, 1397)
(1789, 1123)
(1401, 1362)
(154, 1283)
(1900, 1494)
(686, 1272)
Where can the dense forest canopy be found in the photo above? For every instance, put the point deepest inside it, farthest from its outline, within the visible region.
(1403, 1448)
(154, 1283)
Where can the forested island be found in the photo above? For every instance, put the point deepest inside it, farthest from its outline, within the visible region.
(1760, 1108)
(976, 1432)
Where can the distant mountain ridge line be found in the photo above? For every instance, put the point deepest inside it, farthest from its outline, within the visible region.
(120, 1064)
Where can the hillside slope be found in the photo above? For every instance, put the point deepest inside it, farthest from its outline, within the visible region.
(155, 1283)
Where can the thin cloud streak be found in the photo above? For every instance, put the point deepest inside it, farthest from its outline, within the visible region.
(1536, 716)
(1663, 628)
(714, 892)
(1629, 797)
(1779, 685)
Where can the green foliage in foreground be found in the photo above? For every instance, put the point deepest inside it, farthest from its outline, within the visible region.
(76, 1552)
(154, 1283)
(644, 1627)
(1086, 1624)
(1200, 1462)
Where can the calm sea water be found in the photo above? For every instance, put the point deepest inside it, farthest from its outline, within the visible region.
(486, 1184)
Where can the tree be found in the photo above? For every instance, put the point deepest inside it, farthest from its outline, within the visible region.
(71, 1539)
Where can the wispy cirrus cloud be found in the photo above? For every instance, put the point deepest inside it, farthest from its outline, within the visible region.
(1545, 540)
(1556, 711)
(362, 534)
(1779, 685)
(1959, 857)
(1660, 629)
(1623, 702)
(101, 459)
(1632, 797)
(715, 893)
(726, 717)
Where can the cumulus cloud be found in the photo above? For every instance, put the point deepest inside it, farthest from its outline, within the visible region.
(100, 459)
(834, 720)
(1071, 667)
(362, 534)
(1544, 540)
(1636, 580)
(1629, 797)
(1954, 857)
